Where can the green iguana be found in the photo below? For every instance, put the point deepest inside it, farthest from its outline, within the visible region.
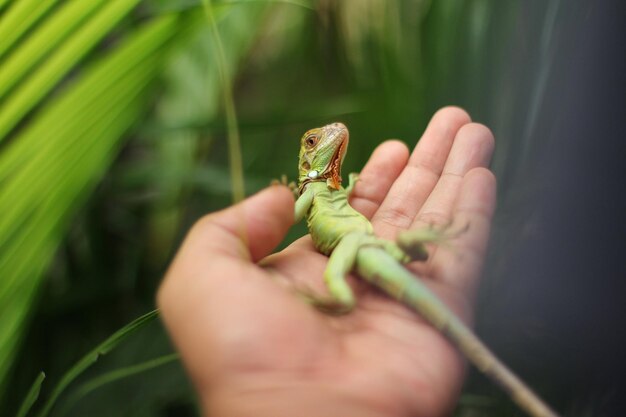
(348, 238)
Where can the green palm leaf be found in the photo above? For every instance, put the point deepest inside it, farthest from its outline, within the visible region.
(48, 167)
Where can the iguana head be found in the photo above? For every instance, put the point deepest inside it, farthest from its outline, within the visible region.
(321, 154)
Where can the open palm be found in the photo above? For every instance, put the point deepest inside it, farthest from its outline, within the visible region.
(253, 347)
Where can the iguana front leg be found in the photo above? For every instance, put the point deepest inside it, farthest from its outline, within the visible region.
(293, 187)
(353, 178)
(303, 204)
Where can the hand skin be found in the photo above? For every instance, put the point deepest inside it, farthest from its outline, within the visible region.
(253, 347)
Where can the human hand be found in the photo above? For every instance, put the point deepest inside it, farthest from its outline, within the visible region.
(254, 348)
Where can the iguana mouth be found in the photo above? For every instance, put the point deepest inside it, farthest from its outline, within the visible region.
(334, 171)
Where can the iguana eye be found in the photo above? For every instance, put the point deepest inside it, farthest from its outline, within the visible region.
(311, 140)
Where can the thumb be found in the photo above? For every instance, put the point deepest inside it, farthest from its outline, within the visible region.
(212, 275)
(248, 230)
(224, 240)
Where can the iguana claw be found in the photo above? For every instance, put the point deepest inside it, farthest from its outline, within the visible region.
(412, 241)
(289, 184)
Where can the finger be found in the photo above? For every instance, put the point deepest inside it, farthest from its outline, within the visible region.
(472, 148)
(213, 275)
(217, 253)
(419, 177)
(461, 265)
(249, 230)
(378, 175)
(231, 238)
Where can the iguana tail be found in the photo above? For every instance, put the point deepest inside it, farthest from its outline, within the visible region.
(382, 270)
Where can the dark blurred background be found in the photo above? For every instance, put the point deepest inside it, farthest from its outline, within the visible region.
(91, 228)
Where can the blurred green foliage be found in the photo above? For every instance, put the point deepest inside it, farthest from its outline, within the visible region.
(112, 142)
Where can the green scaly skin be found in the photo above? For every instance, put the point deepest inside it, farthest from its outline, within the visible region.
(348, 238)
